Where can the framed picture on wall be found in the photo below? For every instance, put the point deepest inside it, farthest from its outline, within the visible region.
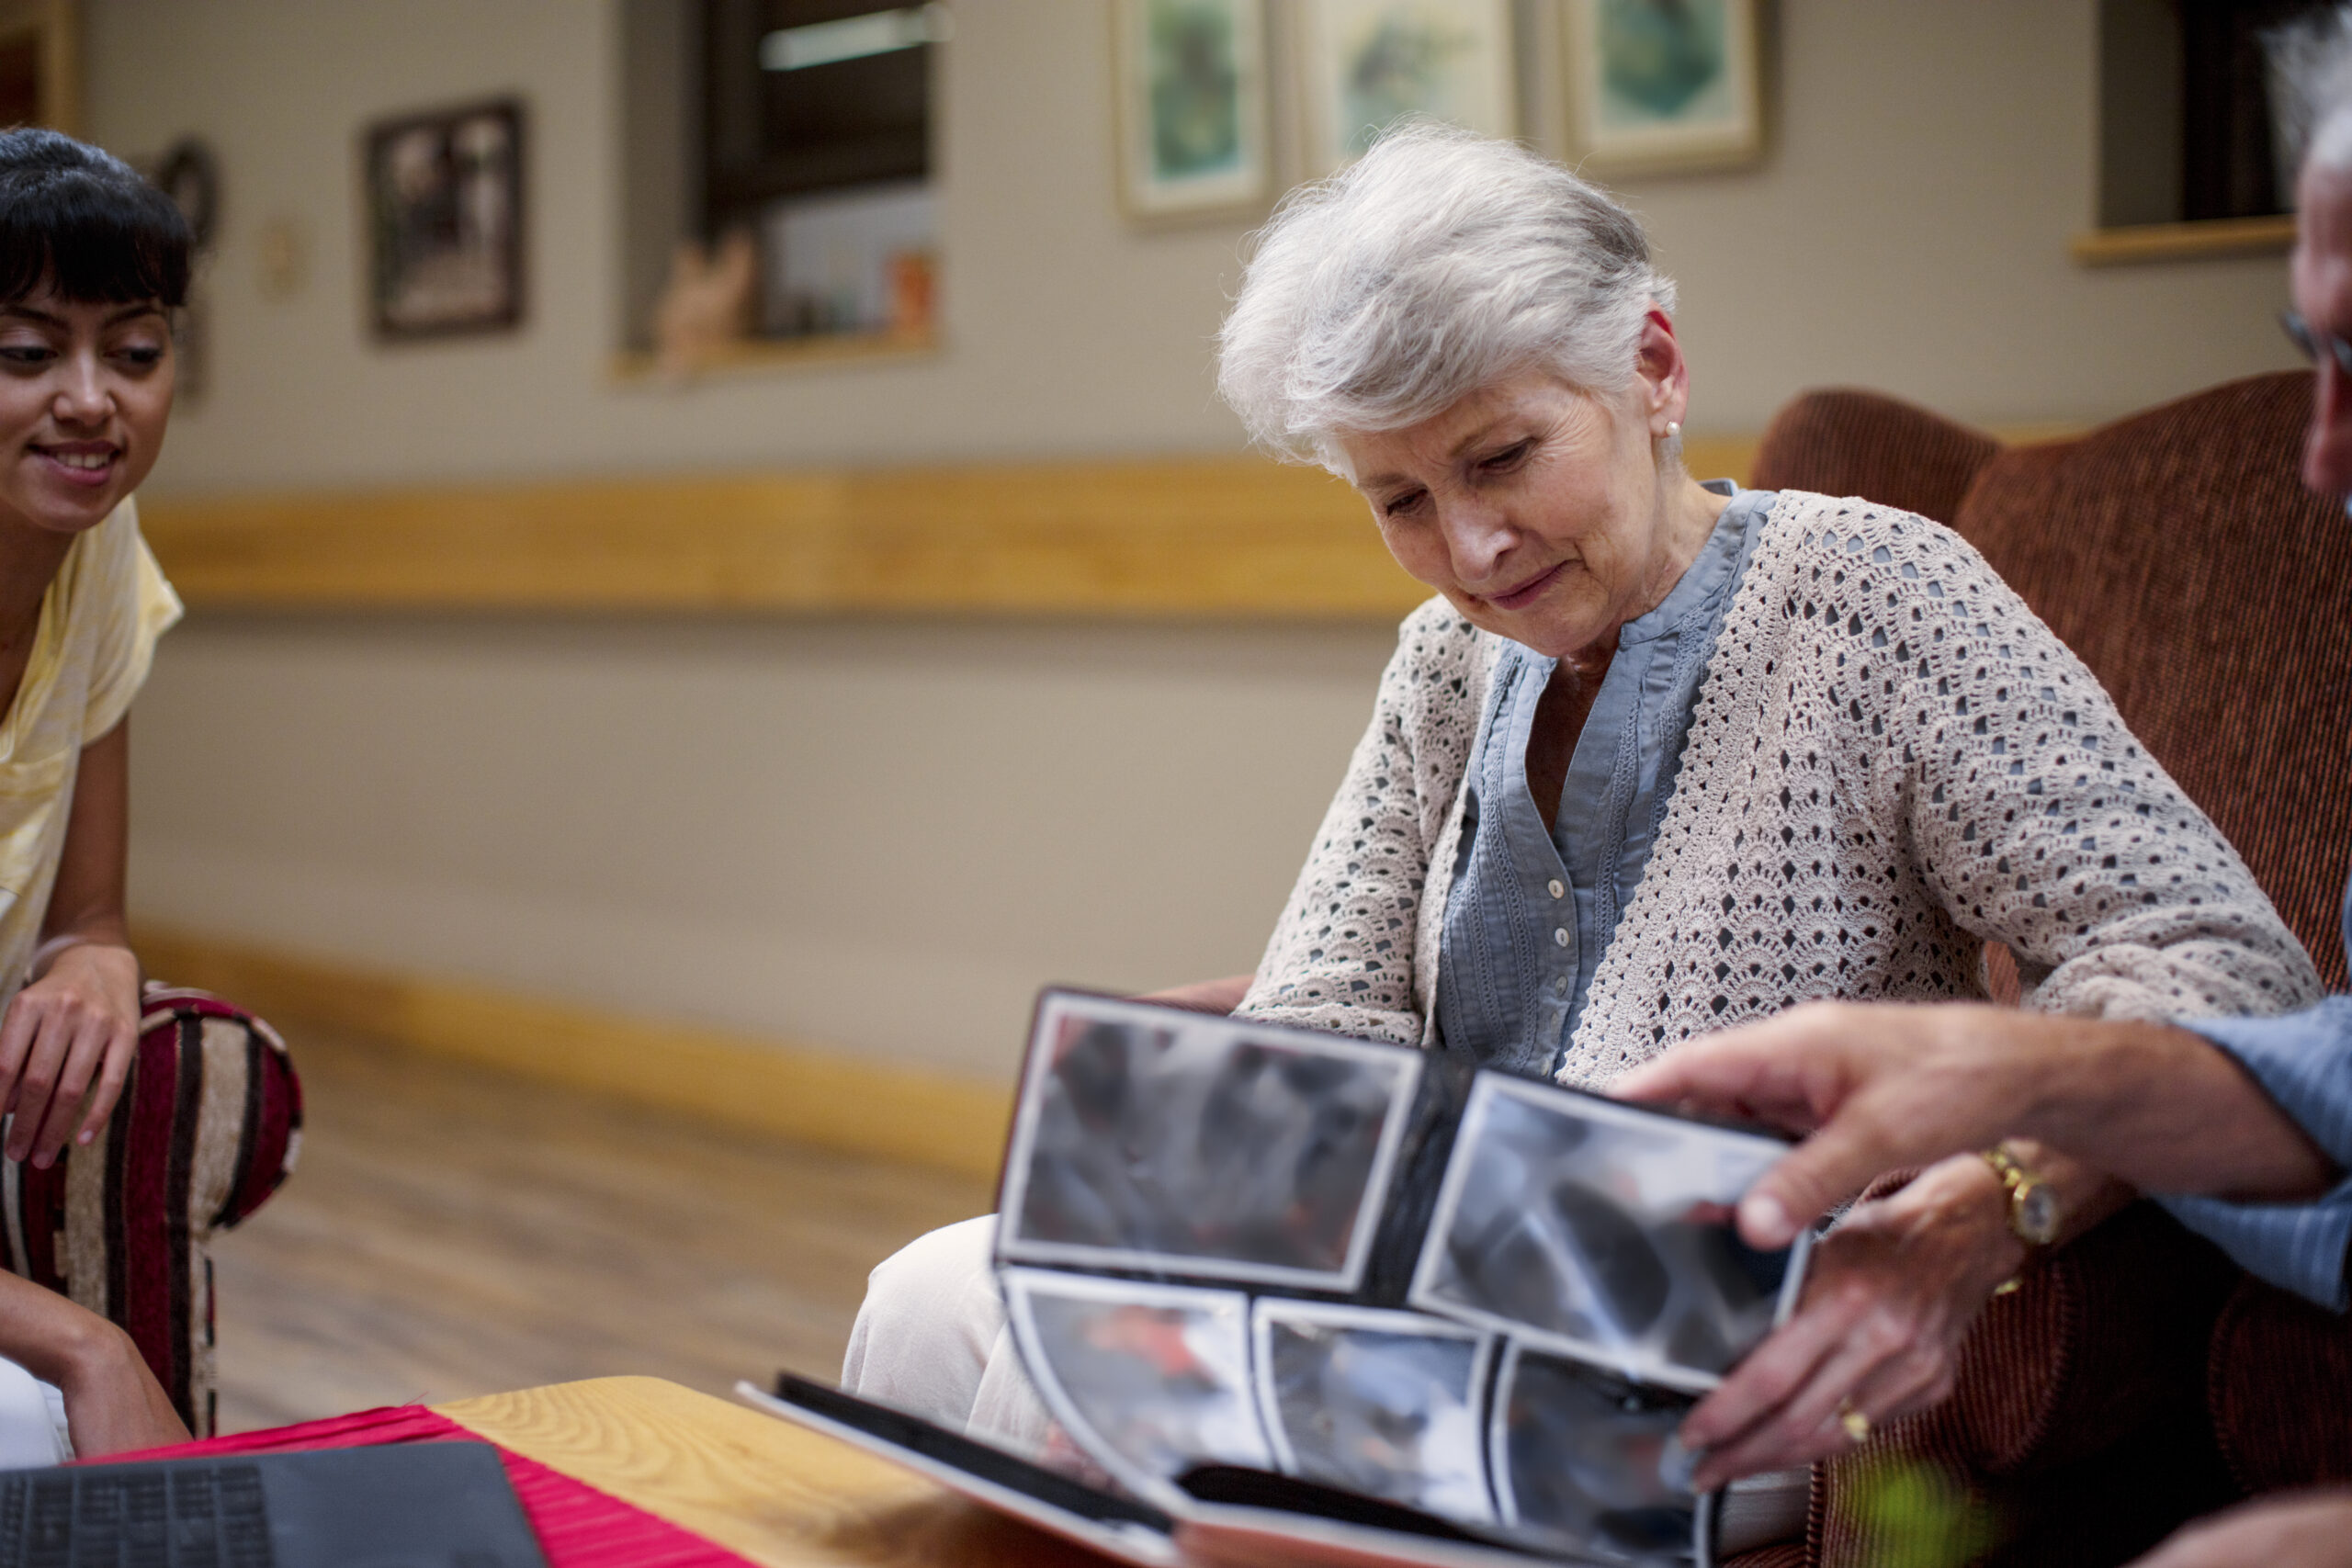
(1192, 106)
(1664, 86)
(445, 219)
(1371, 63)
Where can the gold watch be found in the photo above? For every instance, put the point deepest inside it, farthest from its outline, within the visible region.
(2033, 1203)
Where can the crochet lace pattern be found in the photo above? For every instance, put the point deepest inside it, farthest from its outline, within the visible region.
(1892, 761)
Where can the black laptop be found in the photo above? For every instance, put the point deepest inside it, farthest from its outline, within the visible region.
(400, 1506)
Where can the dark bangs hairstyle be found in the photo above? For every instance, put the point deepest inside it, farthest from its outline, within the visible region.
(83, 221)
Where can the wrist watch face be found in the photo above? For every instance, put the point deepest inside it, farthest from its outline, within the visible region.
(2033, 1213)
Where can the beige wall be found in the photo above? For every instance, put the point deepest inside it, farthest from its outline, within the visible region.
(884, 836)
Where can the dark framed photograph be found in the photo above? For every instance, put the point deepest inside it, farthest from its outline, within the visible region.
(445, 219)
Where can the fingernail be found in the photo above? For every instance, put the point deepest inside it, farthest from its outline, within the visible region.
(1764, 1221)
(85, 1136)
(42, 1162)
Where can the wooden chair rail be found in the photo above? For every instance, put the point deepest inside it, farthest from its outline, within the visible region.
(1211, 538)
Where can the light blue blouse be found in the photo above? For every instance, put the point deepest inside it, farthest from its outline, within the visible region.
(1531, 912)
(2305, 1062)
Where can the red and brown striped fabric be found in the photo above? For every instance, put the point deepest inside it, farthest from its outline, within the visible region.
(208, 1125)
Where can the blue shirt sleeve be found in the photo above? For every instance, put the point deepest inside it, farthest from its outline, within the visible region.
(2305, 1062)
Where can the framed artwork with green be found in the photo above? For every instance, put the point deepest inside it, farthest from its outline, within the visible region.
(1192, 107)
(1664, 86)
(1372, 62)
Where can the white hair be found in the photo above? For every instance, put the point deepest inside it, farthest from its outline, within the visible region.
(1439, 263)
(2310, 61)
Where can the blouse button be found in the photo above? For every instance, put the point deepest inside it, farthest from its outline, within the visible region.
(1560, 936)
(1557, 889)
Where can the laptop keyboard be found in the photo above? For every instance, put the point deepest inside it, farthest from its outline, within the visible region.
(188, 1516)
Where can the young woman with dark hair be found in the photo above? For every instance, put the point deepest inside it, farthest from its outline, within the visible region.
(93, 261)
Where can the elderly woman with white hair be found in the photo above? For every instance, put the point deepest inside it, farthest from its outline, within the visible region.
(1660, 757)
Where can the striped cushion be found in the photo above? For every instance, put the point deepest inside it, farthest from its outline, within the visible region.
(209, 1125)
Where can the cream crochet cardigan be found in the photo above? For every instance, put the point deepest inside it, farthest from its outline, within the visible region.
(1891, 760)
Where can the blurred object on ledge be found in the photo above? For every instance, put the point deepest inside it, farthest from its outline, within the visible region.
(706, 306)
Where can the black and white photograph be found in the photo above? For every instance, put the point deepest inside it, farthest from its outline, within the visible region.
(1603, 1231)
(1150, 1379)
(1154, 1140)
(444, 215)
(1387, 1404)
(1589, 1458)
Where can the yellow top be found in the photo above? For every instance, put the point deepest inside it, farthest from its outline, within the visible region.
(98, 624)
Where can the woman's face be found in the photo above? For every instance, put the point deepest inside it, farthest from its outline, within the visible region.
(1537, 510)
(85, 391)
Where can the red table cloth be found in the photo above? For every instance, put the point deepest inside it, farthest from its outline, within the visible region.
(578, 1525)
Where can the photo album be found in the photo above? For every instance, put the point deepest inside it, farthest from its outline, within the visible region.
(1285, 1289)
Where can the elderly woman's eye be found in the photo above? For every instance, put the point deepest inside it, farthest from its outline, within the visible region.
(1397, 505)
(1508, 457)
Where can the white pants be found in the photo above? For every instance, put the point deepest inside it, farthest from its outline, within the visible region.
(32, 1421)
(931, 1338)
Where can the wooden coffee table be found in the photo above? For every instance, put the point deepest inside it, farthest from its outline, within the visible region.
(774, 1493)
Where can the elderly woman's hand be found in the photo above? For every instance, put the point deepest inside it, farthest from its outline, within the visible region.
(1891, 1291)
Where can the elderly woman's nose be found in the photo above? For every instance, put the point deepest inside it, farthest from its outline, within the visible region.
(1478, 535)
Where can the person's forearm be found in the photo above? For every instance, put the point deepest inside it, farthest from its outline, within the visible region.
(2169, 1112)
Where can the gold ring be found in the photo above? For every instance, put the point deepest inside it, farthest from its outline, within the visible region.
(1857, 1424)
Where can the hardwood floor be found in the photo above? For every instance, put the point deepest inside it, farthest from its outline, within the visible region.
(451, 1231)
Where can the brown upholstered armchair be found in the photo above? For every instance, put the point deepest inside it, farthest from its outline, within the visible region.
(2138, 1379)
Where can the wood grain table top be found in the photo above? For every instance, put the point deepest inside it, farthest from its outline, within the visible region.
(772, 1492)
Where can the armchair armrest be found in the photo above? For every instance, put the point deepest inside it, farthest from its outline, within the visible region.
(209, 1125)
(1205, 996)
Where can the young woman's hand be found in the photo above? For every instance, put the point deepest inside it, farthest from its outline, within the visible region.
(113, 1404)
(70, 1035)
(1889, 1294)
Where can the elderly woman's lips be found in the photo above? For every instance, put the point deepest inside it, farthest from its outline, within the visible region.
(1519, 598)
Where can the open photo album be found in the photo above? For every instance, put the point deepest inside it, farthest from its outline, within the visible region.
(1282, 1282)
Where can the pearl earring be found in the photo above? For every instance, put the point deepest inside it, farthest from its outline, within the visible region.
(1673, 430)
